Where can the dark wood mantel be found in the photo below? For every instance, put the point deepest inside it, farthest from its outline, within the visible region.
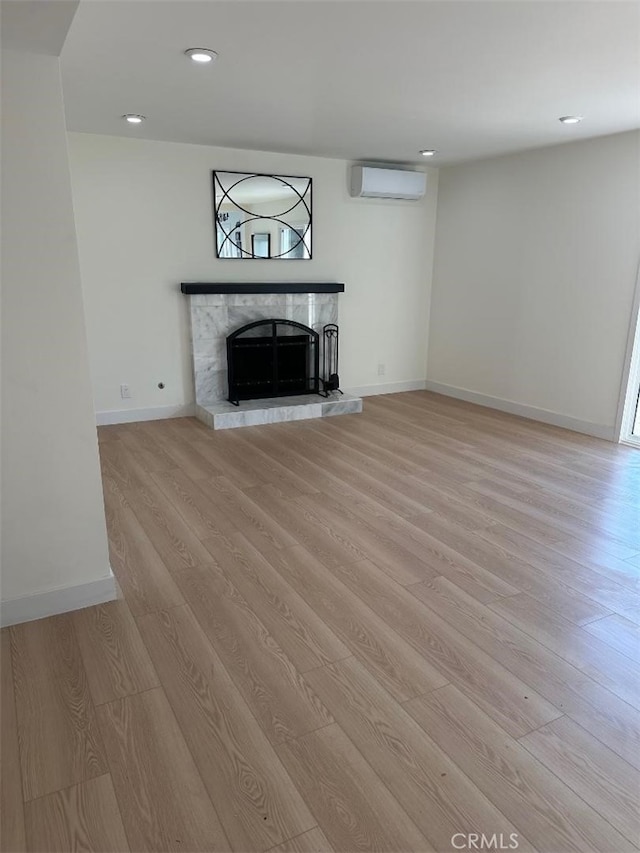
(197, 287)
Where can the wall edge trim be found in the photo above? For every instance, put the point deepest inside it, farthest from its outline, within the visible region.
(386, 388)
(531, 412)
(127, 416)
(26, 608)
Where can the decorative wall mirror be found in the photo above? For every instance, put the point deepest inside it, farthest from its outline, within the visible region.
(262, 216)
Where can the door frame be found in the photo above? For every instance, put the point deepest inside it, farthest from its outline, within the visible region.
(630, 385)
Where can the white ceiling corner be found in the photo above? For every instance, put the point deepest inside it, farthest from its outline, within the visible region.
(36, 26)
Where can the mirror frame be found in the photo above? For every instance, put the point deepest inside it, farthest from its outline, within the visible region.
(220, 195)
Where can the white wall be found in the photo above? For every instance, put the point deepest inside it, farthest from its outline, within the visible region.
(535, 266)
(53, 521)
(145, 223)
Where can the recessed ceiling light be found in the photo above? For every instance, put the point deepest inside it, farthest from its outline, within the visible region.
(201, 54)
(428, 152)
(133, 118)
(570, 119)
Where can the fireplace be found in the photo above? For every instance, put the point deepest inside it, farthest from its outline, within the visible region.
(272, 358)
(281, 368)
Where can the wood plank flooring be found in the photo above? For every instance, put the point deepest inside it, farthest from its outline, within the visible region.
(414, 629)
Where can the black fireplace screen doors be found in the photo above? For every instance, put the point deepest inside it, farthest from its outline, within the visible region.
(272, 358)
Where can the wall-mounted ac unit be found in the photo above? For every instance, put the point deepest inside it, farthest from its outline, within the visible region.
(376, 182)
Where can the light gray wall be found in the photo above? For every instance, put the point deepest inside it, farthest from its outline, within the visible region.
(53, 524)
(535, 266)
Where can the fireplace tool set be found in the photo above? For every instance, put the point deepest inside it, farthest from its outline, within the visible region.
(330, 380)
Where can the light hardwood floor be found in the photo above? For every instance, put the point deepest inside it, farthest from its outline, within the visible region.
(377, 632)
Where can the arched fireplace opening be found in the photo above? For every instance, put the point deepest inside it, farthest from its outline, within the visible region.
(272, 358)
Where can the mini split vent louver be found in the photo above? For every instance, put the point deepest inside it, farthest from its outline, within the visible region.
(375, 182)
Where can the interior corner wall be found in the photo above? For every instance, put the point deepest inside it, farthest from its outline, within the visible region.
(534, 274)
(54, 544)
(145, 223)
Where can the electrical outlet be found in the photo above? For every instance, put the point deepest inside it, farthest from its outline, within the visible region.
(125, 392)
(381, 369)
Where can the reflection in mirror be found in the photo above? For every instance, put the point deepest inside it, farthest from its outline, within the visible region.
(261, 245)
(262, 216)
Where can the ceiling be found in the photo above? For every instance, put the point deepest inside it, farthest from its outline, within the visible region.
(35, 26)
(372, 80)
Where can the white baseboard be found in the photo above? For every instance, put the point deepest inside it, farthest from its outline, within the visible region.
(127, 416)
(532, 412)
(54, 601)
(386, 388)
(123, 416)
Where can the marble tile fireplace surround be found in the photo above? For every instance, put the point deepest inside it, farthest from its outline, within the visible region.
(218, 309)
